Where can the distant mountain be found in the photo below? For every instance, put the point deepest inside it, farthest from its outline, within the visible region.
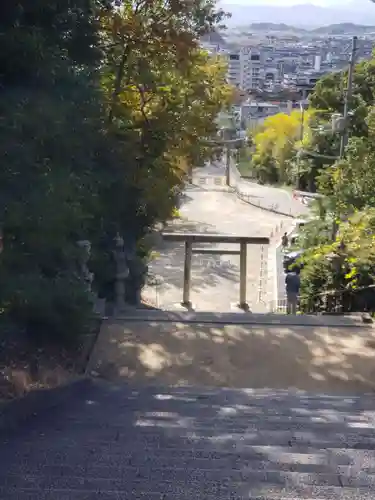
(331, 29)
(345, 29)
(272, 27)
(305, 15)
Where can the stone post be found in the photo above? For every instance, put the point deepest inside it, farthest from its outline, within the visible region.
(87, 276)
(122, 272)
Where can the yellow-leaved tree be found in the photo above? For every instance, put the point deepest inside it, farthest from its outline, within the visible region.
(276, 143)
(163, 92)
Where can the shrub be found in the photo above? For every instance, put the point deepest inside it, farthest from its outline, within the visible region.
(57, 311)
(316, 276)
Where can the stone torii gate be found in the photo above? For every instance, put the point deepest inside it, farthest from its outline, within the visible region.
(190, 238)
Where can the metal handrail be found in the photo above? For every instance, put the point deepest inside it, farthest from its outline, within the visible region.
(334, 300)
(345, 290)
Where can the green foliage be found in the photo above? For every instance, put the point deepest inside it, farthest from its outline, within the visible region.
(50, 310)
(346, 265)
(348, 185)
(277, 143)
(316, 276)
(310, 160)
(314, 233)
(244, 159)
(102, 109)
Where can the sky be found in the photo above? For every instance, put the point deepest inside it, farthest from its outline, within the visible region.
(323, 3)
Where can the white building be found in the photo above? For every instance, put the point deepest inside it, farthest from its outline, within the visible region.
(235, 68)
(245, 68)
(253, 113)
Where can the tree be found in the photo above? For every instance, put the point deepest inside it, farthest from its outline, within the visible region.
(276, 144)
(328, 95)
(101, 107)
(163, 94)
(40, 36)
(338, 262)
(350, 182)
(343, 267)
(51, 139)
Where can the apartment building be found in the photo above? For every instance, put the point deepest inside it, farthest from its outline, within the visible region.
(245, 68)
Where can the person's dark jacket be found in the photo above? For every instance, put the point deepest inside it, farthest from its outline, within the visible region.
(292, 282)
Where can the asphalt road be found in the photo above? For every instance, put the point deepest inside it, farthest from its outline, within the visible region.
(266, 197)
(274, 198)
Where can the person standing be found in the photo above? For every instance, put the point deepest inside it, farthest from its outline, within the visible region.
(284, 241)
(292, 285)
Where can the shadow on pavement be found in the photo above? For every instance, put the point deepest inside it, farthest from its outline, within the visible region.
(316, 358)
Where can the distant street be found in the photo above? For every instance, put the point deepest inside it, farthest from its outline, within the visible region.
(272, 198)
(275, 198)
(267, 197)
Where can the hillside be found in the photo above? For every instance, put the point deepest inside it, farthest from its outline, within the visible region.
(331, 29)
(273, 27)
(344, 29)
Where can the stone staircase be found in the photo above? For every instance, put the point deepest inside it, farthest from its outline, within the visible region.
(166, 417)
(117, 442)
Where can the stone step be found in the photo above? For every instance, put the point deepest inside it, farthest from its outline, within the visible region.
(242, 442)
(225, 466)
(200, 466)
(81, 490)
(123, 441)
(100, 478)
(243, 318)
(295, 401)
(260, 424)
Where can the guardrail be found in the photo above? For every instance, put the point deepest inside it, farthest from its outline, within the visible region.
(263, 275)
(279, 306)
(361, 299)
(236, 181)
(333, 302)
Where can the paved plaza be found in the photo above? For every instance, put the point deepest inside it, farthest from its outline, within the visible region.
(215, 278)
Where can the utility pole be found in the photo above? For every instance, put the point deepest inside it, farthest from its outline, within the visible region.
(302, 108)
(227, 167)
(348, 96)
(302, 133)
(345, 130)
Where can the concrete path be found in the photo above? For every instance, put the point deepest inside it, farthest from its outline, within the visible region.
(215, 279)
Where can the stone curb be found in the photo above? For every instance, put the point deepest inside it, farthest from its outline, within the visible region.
(20, 410)
(89, 344)
(280, 320)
